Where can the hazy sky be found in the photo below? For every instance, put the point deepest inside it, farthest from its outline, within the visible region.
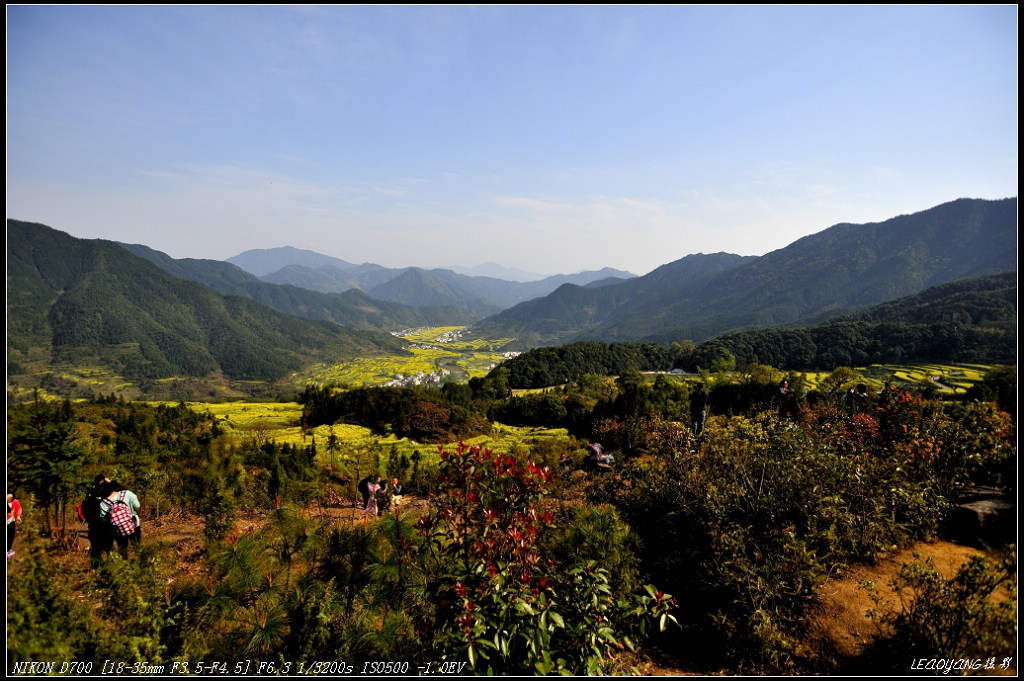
(553, 139)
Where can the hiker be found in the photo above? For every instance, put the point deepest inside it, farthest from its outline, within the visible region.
(787, 400)
(850, 399)
(698, 408)
(13, 520)
(101, 535)
(364, 489)
(371, 503)
(598, 459)
(566, 464)
(396, 492)
(383, 498)
(120, 509)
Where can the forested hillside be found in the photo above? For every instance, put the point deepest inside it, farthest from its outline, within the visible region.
(972, 320)
(834, 272)
(574, 312)
(91, 302)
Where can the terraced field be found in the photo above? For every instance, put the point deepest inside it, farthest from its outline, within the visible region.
(943, 378)
(438, 354)
(280, 422)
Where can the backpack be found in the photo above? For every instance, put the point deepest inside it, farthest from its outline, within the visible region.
(120, 517)
(89, 510)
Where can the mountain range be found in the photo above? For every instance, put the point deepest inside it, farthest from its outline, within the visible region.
(266, 261)
(147, 316)
(481, 295)
(831, 273)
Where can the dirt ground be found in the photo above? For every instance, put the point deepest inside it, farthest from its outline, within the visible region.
(844, 622)
(841, 623)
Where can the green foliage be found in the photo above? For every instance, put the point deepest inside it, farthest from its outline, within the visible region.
(496, 602)
(126, 616)
(419, 413)
(584, 533)
(999, 385)
(137, 614)
(549, 366)
(218, 510)
(45, 618)
(745, 523)
(741, 523)
(977, 446)
(969, 616)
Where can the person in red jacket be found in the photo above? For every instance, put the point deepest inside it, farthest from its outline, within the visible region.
(13, 520)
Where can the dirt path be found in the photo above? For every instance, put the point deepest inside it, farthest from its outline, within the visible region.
(843, 622)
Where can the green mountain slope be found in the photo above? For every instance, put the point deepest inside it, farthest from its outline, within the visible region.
(834, 272)
(263, 261)
(91, 302)
(967, 321)
(970, 321)
(421, 288)
(576, 312)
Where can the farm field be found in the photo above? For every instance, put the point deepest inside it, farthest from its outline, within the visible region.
(438, 354)
(280, 422)
(942, 378)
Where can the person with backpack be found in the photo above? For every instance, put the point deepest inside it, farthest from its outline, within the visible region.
(120, 509)
(101, 536)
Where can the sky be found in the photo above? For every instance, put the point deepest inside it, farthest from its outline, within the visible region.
(552, 139)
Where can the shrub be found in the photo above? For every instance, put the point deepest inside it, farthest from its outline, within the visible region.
(494, 600)
(744, 524)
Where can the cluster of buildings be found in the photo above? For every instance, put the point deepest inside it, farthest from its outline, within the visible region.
(419, 378)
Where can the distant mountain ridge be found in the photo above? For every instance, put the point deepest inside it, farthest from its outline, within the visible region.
(354, 308)
(841, 269)
(263, 261)
(418, 287)
(496, 271)
(969, 321)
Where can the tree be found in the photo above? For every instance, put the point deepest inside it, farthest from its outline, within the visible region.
(45, 460)
(836, 383)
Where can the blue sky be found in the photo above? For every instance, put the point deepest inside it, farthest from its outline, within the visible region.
(552, 139)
